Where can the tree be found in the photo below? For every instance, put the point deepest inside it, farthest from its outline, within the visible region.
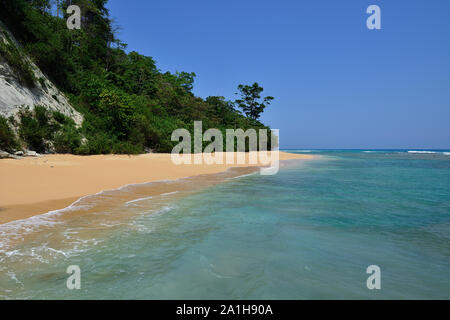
(185, 80)
(249, 102)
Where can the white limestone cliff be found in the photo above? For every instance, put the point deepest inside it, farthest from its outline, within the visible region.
(14, 95)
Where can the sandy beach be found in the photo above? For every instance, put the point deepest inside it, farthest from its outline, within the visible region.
(33, 186)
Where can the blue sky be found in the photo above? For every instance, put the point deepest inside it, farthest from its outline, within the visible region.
(336, 83)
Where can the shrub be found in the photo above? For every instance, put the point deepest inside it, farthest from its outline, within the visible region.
(41, 126)
(82, 150)
(31, 132)
(8, 140)
(125, 147)
(67, 140)
(100, 143)
(62, 119)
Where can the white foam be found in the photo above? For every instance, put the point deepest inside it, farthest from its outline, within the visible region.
(141, 228)
(422, 152)
(169, 193)
(242, 176)
(13, 276)
(57, 251)
(165, 209)
(137, 200)
(15, 230)
(131, 185)
(152, 213)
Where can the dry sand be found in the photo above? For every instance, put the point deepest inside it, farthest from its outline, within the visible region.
(37, 185)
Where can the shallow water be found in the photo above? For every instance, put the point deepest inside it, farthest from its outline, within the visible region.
(309, 232)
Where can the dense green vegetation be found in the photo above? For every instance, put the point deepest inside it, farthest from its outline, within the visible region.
(127, 102)
(41, 130)
(8, 141)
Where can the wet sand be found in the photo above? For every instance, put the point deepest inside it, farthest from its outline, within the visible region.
(33, 186)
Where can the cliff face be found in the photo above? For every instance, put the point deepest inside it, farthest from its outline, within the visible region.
(14, 95)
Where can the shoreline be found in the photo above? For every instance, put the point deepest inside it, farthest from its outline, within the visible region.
(35, 186)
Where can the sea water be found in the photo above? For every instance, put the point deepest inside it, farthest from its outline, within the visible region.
(309, 232)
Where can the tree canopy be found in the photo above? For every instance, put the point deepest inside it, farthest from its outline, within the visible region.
(249, 102)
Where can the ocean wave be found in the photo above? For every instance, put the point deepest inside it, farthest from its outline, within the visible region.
(169, 193)
(45, 254)
(445, 153)
(134, 185)
(138, 200)
(15, 230)
(165, 209)
(140, 227)
(13, 276)
(242, 176)
(155, 213)
(422, 152)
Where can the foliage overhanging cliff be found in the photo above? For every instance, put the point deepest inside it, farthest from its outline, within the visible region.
(128, 104)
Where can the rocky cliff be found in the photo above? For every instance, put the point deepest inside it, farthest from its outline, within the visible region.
(16, 94)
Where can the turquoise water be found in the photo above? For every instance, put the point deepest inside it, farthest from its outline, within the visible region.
(309, 232)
